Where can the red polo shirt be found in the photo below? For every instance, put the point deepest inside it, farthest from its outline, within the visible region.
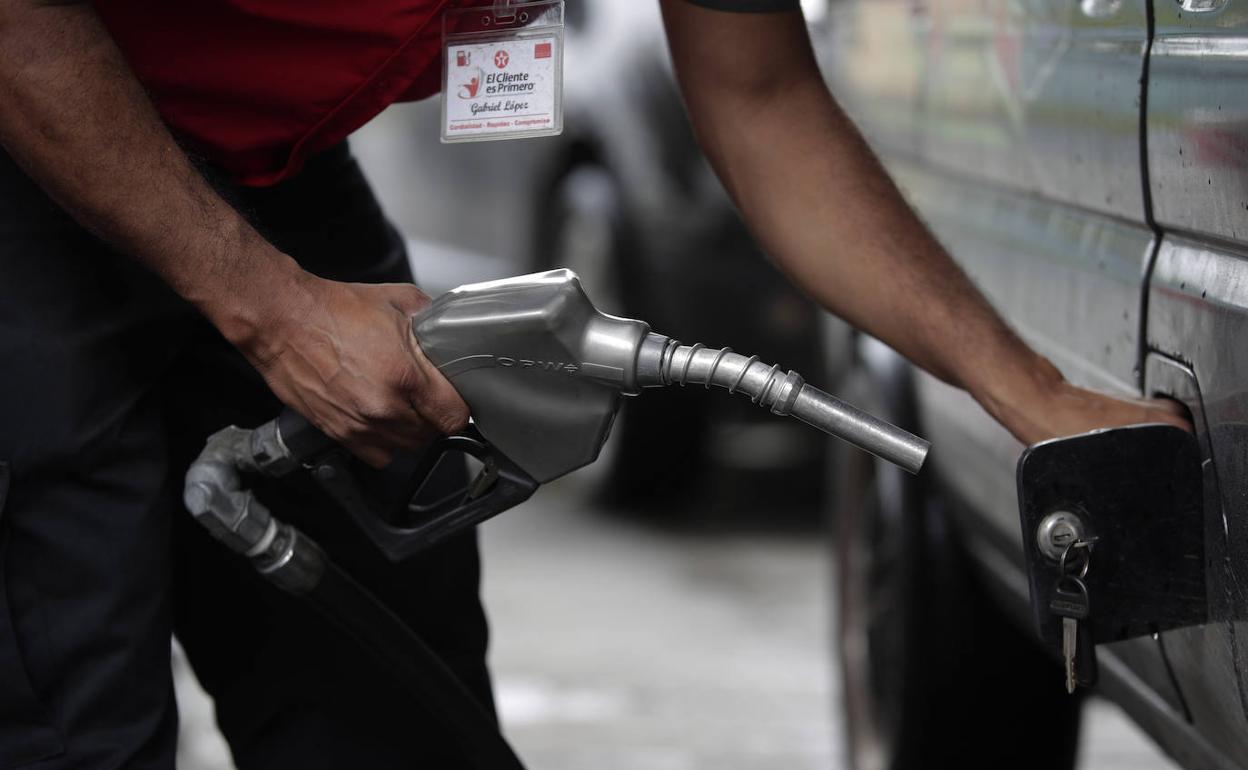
(256, 86)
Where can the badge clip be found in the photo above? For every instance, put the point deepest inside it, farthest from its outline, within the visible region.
(504, 12)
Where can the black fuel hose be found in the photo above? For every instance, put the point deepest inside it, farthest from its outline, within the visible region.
(377, 630)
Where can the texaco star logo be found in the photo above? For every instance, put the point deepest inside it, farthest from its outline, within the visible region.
(500, 59)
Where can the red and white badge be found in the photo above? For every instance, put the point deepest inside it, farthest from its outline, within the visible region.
(503, 72)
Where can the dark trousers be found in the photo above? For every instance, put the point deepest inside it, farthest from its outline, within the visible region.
(109, 385)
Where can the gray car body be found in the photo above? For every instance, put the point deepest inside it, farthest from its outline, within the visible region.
(1087, 164)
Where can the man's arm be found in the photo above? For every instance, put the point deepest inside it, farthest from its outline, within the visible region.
(824, 208)
(77, 121)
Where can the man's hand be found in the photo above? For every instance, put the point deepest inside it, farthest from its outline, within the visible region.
(1036, 404)
(1075, 410)
(344, 356)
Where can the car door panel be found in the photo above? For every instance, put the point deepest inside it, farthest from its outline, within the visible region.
(1041, 203)
(1041, 96)
(1065, 278)
(1198, 313)
(1197, 151)
(1198, 118)
(1069, 281)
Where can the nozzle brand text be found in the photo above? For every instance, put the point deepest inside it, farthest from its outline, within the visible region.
(548, 366)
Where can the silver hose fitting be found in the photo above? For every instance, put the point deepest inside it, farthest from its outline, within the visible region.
(663, 361)
(215, 496)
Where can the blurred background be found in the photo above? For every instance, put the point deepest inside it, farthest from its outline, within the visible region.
(672, 606)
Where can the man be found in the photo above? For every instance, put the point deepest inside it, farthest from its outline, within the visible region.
(115, 249)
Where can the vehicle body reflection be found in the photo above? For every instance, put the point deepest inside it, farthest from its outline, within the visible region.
(1085, 163)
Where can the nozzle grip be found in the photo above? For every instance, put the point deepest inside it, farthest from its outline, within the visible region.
(501, 484)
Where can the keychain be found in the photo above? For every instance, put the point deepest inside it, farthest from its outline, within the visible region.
(502, 71)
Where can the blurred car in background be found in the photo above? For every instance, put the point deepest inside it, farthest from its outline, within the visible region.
(624, 198)
(1085, 163)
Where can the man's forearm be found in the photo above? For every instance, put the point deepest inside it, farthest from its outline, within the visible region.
(76, 119)
(890, 277)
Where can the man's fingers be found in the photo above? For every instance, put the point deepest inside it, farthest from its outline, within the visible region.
(377, 443)
(442, 407)
(372, 439)
(435, 398)
(394, 425)
(406, 298)
(1168, 410)
(372, 455)
(1174, 407)
(411, 432)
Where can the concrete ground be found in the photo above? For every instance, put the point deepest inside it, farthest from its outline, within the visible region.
(621, 645)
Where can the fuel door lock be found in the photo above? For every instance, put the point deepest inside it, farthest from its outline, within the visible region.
(1113, 536)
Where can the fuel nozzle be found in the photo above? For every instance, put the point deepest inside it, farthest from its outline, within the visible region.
(543, 370)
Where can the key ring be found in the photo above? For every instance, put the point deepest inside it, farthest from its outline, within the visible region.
(1085, 544)
(1072, 584)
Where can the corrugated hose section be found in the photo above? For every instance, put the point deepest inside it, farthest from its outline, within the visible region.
(664, 361)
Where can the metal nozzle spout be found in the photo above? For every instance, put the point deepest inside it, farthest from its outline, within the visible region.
(663, 361)
(865, 431)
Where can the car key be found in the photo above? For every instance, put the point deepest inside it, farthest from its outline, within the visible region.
(1070, 603)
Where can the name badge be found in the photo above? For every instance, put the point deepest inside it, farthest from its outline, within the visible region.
(502, 72)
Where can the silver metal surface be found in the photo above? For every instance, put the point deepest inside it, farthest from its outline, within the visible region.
(542, 371)
(269, 453)
(1198, 162)
(1202, 6)
(1070, 642)
(215, 496)
(1198, 118)
(1057, 531)
(1046, 98)
(1041, 97)
(1198, 324)
(291, 562)
(888, 442)
(1067, 279)
(663, 361)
